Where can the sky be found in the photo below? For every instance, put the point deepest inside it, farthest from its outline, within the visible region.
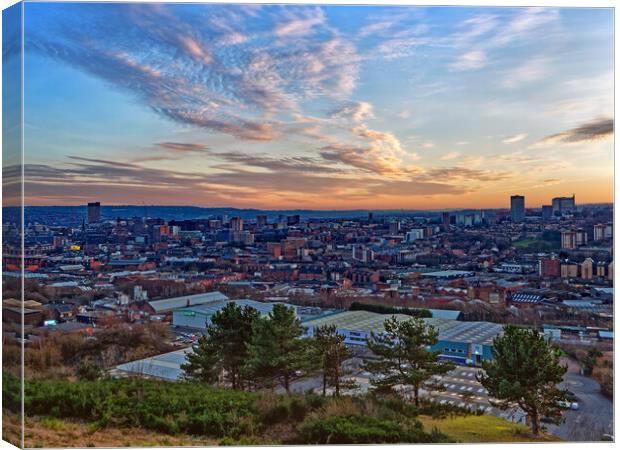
(317, 107)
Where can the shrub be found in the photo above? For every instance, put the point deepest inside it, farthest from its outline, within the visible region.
(363, 430)
(166, 407)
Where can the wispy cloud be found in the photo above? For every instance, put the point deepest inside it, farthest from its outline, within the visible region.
(181, 71)
(474, 59)
(182, 147)
(533, 70)
(356, 111)
(592, 131)
(484, 34)
(515, 138)
(450, 156)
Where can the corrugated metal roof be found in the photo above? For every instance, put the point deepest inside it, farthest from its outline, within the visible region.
(449, 330)
(208, 309)
(186, 300)
(166, 366)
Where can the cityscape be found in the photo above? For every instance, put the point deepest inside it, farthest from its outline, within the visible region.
(268, 225)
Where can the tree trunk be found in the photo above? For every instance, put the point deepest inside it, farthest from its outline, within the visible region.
(287, 384)
(535, 423)
(324, 383)
(416, 395)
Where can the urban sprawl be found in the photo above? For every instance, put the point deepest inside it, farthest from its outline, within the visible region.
(473, 271)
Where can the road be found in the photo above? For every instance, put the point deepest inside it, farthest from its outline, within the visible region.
(595, 414)
(590, 422)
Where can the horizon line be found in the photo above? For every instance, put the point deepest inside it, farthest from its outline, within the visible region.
(294, 209)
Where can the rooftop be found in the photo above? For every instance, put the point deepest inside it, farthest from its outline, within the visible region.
(449, 330)
(186, 300)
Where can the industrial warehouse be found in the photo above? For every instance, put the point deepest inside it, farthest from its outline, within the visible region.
(467, 343)
(461, 342)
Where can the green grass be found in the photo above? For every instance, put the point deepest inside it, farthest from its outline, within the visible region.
(534, 245)
(470, 429)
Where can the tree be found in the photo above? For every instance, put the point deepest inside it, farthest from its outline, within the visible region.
(277, 351)
(404, 357)
(203, 362)
(331, 353)
(223, 348)
(525, 371)
(589, 361)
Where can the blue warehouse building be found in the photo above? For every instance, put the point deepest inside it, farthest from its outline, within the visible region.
(462, 342)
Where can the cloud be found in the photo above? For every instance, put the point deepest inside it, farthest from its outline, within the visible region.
(524, 23)
(592, 131)
(195, 49)
(200, 71)
(356, 111)
(482, 35)
(464, 173)
(182, 147)
(515, 138)
(471, 60)
(474, 27)
(246, 180)
(301, 26)
(533, 70)
(450, 156)
(364, 158)
(292, 163)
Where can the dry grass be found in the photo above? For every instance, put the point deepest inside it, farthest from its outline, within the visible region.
(603, 372)
(54, 433)
(342, 406)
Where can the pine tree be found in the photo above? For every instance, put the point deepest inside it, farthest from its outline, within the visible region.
(203, 362)
(404, 358)
(525, 371)
(277, 351)
(223, 348)
(332, 353)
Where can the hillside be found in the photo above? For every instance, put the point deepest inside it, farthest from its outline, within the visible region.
(152, 413)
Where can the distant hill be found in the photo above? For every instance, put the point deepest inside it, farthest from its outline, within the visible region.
(73, 215)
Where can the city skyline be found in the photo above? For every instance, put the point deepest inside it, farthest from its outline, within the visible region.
(259, 106)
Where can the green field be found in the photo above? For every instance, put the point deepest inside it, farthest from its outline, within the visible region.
(534, 245)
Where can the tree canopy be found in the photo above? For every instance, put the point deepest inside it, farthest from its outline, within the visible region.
(276, 351)
(525, 371)
(332, 352)
(223, 348)
(404, 357)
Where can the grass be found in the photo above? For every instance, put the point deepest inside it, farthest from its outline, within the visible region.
(534, 245)
(56, 433)
(472, 429)
(43, 432)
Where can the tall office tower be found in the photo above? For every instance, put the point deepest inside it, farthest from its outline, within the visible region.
(293, 220)
(395, 227)
(94, 212)
(517, 208)
(445, 221)
(261, 220)
(236, 223)
(561, 205)
(547, 212)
